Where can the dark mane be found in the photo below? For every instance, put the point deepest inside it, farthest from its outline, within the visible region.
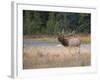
(62, 40)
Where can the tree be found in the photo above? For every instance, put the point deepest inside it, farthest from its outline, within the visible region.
(26, 22)
(36, 24)
(84, 23)
(60, 22)
(66, 23)
(51, 23)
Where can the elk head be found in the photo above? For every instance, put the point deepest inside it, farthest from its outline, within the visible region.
(62, 40)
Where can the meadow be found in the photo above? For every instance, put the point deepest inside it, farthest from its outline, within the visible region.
(49, 57)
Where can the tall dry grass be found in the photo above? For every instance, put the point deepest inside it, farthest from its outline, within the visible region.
(48, 57)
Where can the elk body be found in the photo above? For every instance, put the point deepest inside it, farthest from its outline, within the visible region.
(70, 41)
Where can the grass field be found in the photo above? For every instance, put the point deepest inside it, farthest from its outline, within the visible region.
(49, 57)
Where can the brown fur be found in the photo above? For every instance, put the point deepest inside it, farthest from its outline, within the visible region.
(69, 41)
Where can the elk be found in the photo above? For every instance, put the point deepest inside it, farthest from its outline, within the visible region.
(71, 41)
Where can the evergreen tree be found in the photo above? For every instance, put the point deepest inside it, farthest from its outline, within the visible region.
(66, 23)
(36, 24)
(26, 22)
(51, 23)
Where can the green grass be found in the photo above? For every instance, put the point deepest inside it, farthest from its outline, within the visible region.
(86, 39)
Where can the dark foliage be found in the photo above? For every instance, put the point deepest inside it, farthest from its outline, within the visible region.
(43, 22)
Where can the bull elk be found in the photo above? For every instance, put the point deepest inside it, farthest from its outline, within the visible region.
(71, 41)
